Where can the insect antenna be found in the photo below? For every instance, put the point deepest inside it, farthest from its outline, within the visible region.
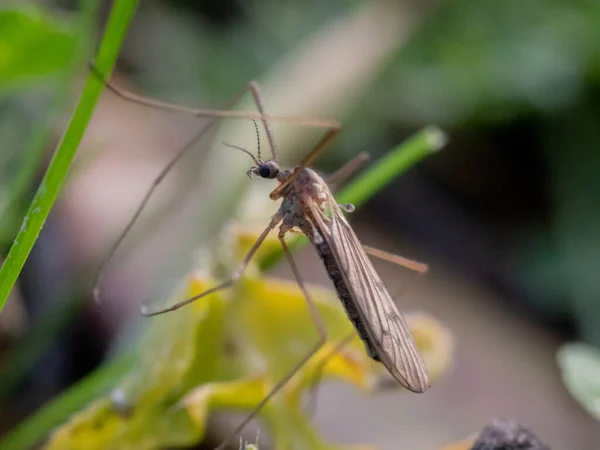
(256, 160)
(257, 139)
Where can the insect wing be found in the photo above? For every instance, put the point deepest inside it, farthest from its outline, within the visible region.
(385, 325)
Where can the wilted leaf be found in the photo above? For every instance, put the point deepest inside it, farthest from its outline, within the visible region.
(227, 352)
(180, 350)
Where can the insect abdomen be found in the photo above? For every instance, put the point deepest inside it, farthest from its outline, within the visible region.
(333, 270)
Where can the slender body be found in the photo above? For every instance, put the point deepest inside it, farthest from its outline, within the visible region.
(370, 308)
(307, 205)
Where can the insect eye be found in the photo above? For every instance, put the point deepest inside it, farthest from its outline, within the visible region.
(264, 171)
(269, 169)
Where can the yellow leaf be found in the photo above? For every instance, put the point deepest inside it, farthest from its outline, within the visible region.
(245, 238)
(102, 426)
(178, 348)
(228, 350)
(434, 341)
(273, 327)
(465, 444)
(239, 394)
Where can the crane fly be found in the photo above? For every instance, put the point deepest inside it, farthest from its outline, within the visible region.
(308, 206)
(369, 306)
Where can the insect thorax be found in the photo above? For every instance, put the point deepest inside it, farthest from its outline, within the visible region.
(306, 187)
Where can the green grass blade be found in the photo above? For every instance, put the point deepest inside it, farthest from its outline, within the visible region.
(391, 166)
(42, 203)
(32, 153)
(42, 333)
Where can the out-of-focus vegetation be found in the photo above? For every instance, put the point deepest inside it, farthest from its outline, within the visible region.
(513, 203)
(228, 353)
(516, 81)
(207, 359)
(24, 31)
(580, 365)
(58, 166)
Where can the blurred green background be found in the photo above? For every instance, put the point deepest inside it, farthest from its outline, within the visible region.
(508, 215)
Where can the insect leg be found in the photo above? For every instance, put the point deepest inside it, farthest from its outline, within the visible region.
(415, 266)
(224, 285)
(180, 153)
(319, 325)
(253, 87)
(311, 404)
(213, 115)
(333, 129)
(342, 175)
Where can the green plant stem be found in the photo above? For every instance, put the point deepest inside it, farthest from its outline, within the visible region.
(391, 166)
(357, 192)
(367, 184)
(44, 198)
(42, 333)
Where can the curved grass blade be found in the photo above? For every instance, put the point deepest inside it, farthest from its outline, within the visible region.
(55, 176)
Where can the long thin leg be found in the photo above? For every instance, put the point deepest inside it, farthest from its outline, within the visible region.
(415, 266)
(331, 133)
(225, 113)
(213, 115)
(311, 405)
(153, 186)
(225, 284)
(319, 325)
(341, 175)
